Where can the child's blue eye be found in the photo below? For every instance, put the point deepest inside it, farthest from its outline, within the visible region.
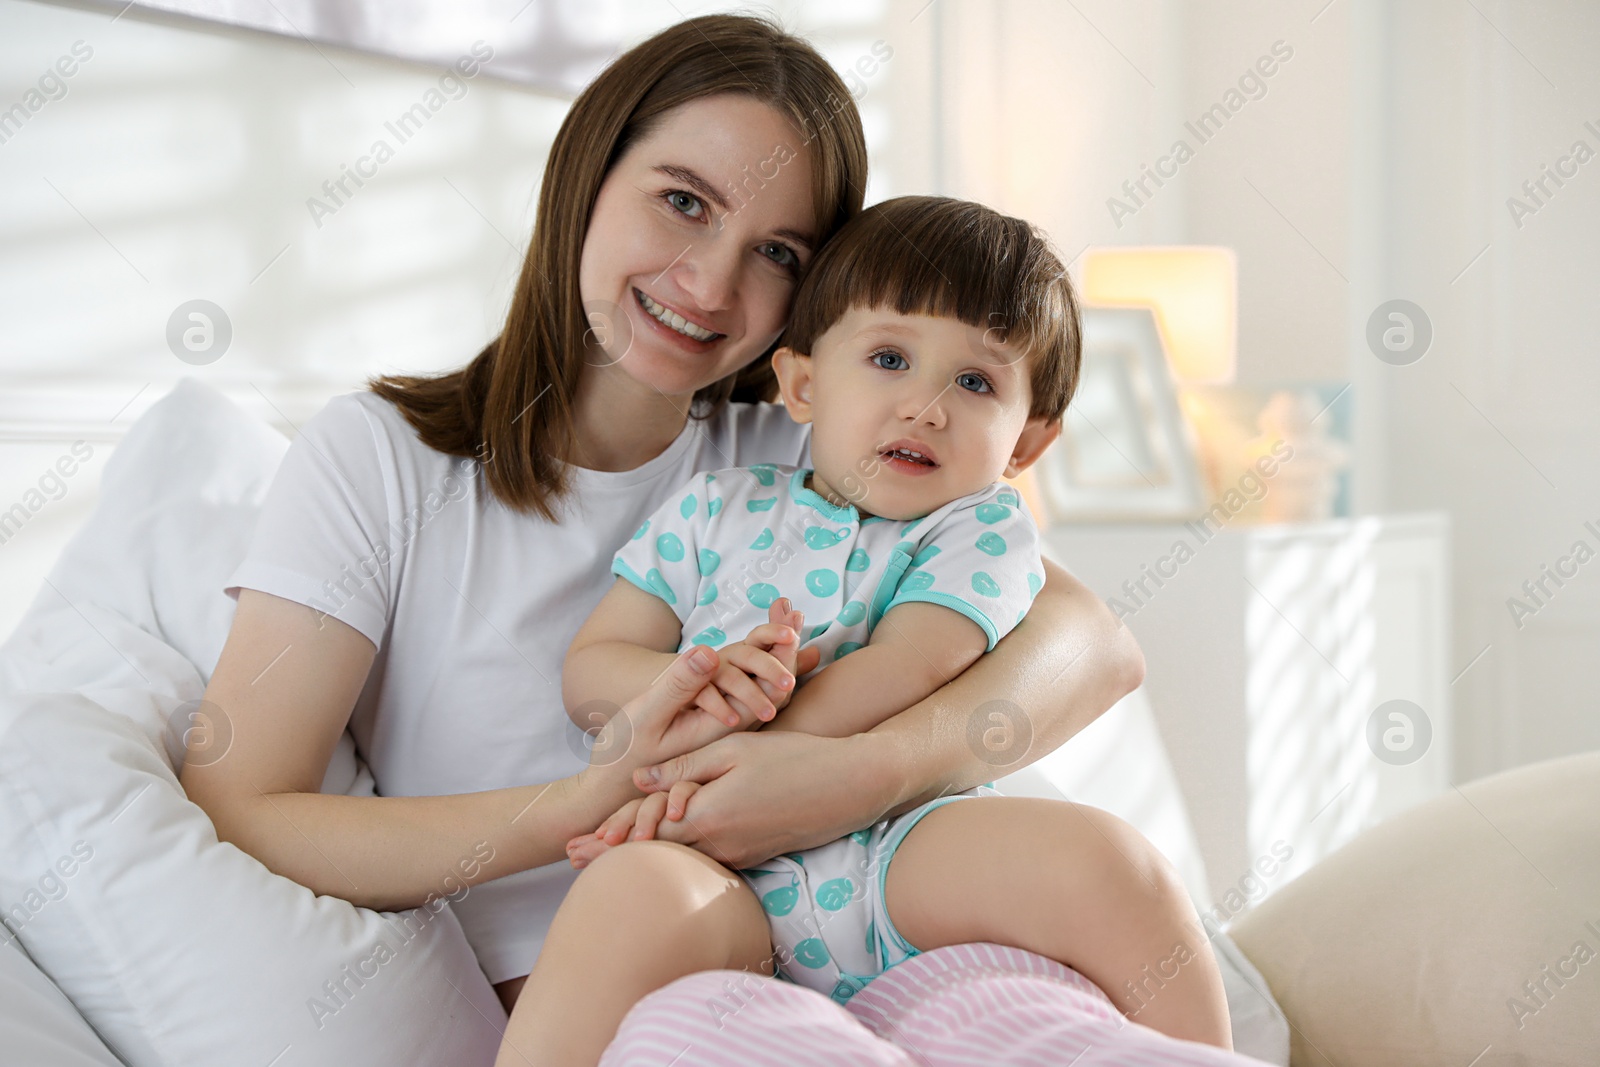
(685, 203)
(892, 355)
(980, 379)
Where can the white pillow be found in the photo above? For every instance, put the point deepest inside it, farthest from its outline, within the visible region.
(175, 947)
(38, 1024)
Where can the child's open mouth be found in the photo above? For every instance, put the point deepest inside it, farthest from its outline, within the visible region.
(908, 459)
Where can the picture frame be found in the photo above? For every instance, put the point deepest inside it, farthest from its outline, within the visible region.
(1126, 451)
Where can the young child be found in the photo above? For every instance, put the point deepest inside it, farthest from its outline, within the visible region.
(934, 344)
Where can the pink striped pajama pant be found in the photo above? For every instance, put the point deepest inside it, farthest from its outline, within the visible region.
(977, 1005)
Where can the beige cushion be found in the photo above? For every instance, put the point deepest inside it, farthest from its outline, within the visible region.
(1412, 944)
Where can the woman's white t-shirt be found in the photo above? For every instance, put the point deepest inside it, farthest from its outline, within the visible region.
(471, 606)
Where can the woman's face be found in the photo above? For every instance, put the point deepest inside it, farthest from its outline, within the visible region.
(697, 240)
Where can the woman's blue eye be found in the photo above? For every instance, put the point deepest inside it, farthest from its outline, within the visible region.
(781, 254)
(892, 355)
(980, 379)
(686, 203)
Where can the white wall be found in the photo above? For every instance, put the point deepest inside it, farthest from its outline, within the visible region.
(1497, 424)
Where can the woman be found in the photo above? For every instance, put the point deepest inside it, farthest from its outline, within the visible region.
(428, 548)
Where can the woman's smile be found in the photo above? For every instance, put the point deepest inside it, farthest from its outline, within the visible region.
(681, 325)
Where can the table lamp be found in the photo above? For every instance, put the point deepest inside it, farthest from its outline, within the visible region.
(1193, 290)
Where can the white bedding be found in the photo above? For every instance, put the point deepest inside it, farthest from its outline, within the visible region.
(177, 948)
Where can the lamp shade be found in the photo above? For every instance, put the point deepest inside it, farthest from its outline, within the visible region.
(1194, 291)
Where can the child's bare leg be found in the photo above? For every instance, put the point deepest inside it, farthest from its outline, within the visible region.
(638, 917)
(1067, 881)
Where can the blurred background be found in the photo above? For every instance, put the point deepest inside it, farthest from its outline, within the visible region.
(1402, 202)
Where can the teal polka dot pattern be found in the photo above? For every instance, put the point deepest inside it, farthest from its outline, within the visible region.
(819, 538)
(835, 893)
(710, 637)
(861, 837)
(658, 585)
(713, 552)
(781, 901)
(822, 583)
(812, 953)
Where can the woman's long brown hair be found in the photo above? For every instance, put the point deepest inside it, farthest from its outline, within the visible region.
(512, 406)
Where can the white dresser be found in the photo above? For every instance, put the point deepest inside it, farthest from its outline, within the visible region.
(1269, 649)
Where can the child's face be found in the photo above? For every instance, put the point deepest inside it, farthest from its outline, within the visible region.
(878, 378)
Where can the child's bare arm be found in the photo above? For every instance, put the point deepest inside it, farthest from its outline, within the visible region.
(632, 636)
(915, 649)
(623, 646)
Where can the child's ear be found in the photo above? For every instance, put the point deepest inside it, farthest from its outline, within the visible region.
(1037, 435)
(794, 382)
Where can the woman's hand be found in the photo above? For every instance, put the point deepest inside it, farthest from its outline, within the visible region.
(671, 717)
(762, 671)
(661, 722)
(634, 821)
(755, 787)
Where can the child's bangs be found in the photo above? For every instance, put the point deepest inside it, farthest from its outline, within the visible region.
(925, 255)
(935, 257)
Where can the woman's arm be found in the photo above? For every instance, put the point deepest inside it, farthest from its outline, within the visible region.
(285, 685)
(1063, 666)
(1067, 662)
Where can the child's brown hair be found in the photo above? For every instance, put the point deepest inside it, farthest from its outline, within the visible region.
(933, 255)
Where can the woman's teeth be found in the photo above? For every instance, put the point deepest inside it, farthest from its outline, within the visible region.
(674, 320)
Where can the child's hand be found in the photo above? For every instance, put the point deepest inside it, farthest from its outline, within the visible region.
(634, 821)
(755, 677)
(782, 613)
